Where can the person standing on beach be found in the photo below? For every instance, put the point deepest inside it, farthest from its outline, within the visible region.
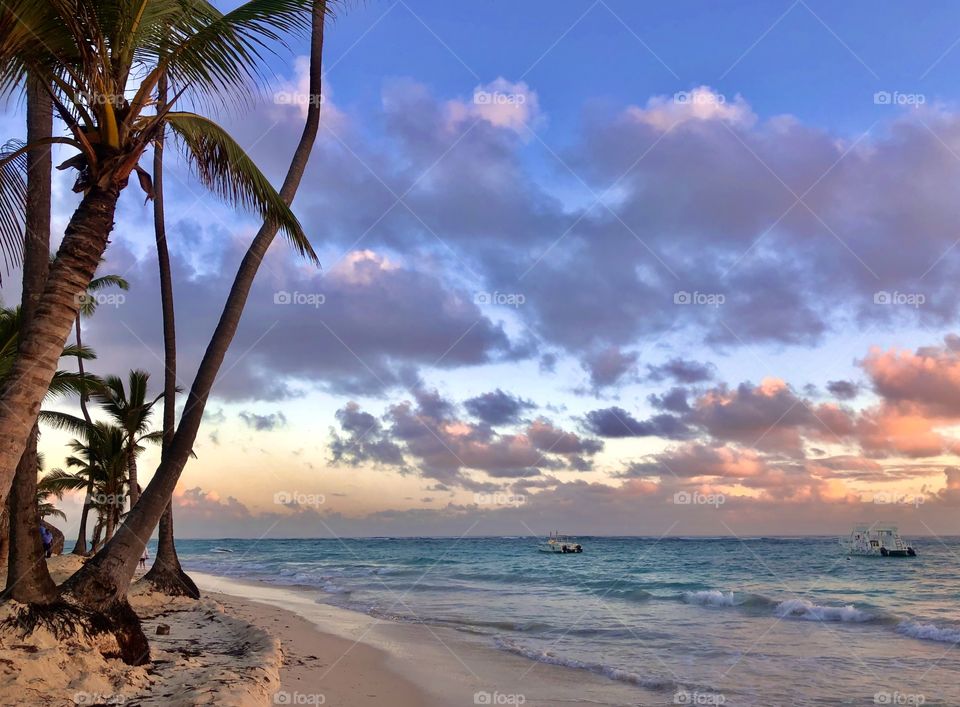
(47, 538)
(143, 559)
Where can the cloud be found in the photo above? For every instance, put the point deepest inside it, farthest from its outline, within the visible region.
(263, 423)
(610, 366)
(513, 106)
(843, 390)
(427, 434)
(498, 408)
(928, 378)
(617, 422)
(681, 371)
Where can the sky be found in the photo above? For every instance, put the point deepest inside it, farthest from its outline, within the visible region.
(626, 268)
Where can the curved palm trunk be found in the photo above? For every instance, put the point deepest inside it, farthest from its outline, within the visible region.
(166, 575)
(80, 548)
(105, 578)
(28, 580)
(42, 340)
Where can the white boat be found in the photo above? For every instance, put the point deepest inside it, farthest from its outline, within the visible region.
(560, 544)
(876, 541)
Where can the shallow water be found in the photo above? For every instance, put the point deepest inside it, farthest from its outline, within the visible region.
(763, 621)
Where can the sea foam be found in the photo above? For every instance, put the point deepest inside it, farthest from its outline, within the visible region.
(808, 611)
(929, 632)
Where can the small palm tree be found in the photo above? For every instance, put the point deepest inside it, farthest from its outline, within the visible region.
(131, 410)
(88, 306)
(55, 484)
(101, 61)
(100, 460)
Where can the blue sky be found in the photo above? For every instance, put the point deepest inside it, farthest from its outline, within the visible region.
(691, 247)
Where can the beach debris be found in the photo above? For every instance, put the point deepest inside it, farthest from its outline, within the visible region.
(163, 629)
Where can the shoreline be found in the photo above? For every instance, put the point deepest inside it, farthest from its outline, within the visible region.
(438, 666)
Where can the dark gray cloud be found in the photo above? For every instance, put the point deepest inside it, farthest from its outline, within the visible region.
(498, 408)
(843, 390)
(617, 422)
(674, 400)
(681, 371)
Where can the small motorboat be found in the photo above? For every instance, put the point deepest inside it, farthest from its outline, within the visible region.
(560, 544)
(221, 549)
(876, 541)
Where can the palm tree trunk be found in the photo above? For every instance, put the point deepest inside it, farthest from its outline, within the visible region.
(97, 531)
(105, 578)
(165, 574)
(134, 488)
(4, 537)
(28, 580)
(81, 546)
(42, 340)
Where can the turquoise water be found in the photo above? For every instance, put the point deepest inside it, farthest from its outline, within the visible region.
(762, 621)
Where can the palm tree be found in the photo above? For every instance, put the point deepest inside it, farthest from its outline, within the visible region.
(100, 461)
(104, 579)
(27, 577)
(55, 484)
(26, 573)
(166, 575)
(131, 411)
(101, 61)
(88, 306)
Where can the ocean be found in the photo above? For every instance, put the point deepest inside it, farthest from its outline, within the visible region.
(758, 621)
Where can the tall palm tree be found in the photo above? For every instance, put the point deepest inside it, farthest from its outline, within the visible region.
(101, 61)
(27, 577)
(88, 306)
(131, 410)
(166, 575)
(104, 579)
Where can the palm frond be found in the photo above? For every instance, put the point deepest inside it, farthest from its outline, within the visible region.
(13, 202)
(104, 281)
(66, 422)
(58, 481)
(226, 55)
(224, 168)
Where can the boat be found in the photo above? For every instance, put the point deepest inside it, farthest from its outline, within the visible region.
(876, 541)
(560, 544)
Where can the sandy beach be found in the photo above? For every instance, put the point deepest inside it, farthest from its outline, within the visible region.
(249, 644)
